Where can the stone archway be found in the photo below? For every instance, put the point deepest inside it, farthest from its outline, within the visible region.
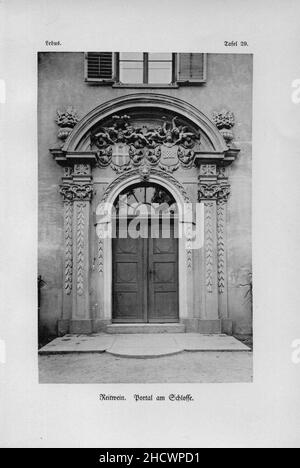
(210, 162)
(181, 198)
(78, 138)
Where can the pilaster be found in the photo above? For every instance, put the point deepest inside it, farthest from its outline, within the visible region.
(223, 196)
(77, 193)
(208, 195)
(213, 192)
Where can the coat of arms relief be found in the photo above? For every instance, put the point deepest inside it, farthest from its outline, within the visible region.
(124, 146)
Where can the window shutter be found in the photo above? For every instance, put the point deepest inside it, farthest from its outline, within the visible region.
(191, 68)
(99, 66)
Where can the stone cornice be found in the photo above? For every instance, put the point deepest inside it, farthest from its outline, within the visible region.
(225, 158)
(69, 158)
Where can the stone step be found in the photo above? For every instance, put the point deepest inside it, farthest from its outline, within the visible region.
(129, 328)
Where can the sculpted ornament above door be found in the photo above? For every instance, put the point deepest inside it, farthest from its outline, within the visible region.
(123, 146)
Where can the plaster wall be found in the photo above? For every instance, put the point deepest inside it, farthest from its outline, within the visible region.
(61, 83)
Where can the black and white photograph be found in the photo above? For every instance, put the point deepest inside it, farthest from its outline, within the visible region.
(145, 267)
(149, 240)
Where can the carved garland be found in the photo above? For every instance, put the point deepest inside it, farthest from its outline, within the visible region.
(220, 193)
(101, 250)
(221, 226)
(209, 245)
(68, 215)
(221, 245)
(80, 247)
(189, 251)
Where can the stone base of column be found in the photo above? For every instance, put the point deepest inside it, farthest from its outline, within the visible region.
(81, 326)
(63, 327)
(202, 326)
(227, 326)
(99, 325)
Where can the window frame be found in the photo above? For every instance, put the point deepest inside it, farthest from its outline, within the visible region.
(145, 84)
(115, 80)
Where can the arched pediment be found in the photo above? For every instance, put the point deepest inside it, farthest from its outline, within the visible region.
(148, 110)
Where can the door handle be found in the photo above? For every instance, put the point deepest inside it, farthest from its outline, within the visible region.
(151, 272)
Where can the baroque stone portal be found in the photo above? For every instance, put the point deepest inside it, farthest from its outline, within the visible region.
(144, 143)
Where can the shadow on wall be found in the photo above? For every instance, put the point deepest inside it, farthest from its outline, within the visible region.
(248, 291)
(241, 302)
(43, 333)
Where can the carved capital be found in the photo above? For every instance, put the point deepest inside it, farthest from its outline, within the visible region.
(76, 192)
(208, 191)
(214, 192)
(224, 193)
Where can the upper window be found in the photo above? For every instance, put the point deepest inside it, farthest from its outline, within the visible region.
(142, 69)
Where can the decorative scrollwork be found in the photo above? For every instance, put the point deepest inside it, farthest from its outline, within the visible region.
(104, 157)
(213, 191)
(208, 191)
(136, 155)
(153, 155)
(186, 157)
(122, 145)
(72, 192)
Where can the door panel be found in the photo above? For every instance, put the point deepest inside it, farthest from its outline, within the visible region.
(163, 279)
(128, 282)
(145, 280)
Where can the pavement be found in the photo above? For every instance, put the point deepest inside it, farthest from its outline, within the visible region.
(141, 346)
(94, 368)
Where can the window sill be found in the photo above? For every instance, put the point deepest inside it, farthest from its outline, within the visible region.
(132, 86)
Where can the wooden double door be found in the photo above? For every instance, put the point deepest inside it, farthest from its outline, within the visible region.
(145, 279)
